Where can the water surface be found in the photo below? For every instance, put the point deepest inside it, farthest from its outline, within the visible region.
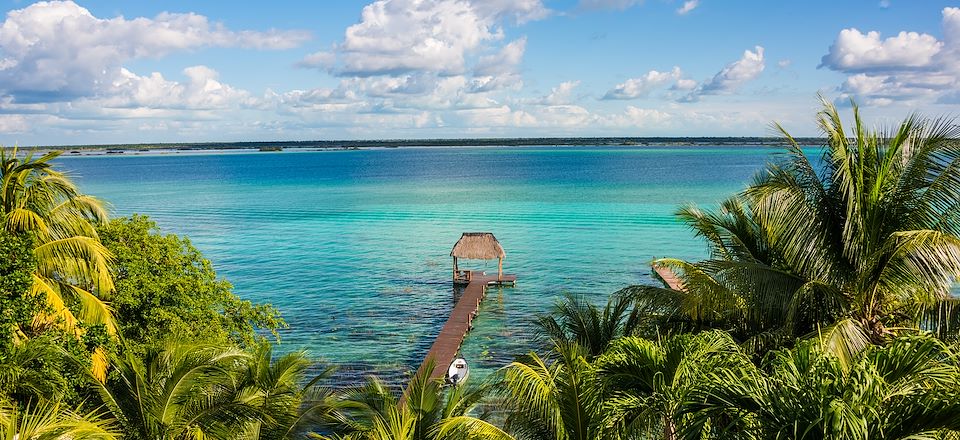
(353, 246)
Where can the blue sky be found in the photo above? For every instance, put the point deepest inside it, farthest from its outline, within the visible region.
(121, 71)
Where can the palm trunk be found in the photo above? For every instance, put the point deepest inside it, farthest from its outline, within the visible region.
(669, 429)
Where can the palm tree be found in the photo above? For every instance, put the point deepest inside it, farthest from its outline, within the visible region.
(905, 389)
(866, 244)
(278, 389)
(648, 383)
(428, 411)
(556, 400)
(50, 420)
(72, 264)
(183, 391)
(740, 289)
(575, 320)
(28, 372)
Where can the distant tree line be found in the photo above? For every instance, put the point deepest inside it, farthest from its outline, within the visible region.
(479, 142)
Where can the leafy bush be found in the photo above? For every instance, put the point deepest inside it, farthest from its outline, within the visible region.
(165, 290)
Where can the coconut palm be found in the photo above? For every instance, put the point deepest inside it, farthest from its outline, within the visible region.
(278, 388)
(51, 420)
(183, 391)
(740, 289)
(648, 383)
(905, 389)
(28, 371)
(556, 399)
(72, 265)
(868, 242)
(374, 412)
(575, 320)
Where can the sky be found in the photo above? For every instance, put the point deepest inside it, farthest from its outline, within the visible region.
(108, 72)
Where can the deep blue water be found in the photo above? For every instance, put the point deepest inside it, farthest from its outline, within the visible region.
(353, 246)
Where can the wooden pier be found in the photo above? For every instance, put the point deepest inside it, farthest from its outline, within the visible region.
(445, 347)
(471, 246)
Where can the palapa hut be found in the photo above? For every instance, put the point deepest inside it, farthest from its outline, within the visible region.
(477, 246)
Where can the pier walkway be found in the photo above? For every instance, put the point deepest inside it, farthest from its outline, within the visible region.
(447, 344)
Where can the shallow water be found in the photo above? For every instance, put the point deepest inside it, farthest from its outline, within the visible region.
(353, 246)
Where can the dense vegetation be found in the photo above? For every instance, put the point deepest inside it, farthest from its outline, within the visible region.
(166, 290)
(824, 311)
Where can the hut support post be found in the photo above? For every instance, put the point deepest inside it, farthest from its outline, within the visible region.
(455, 269)
(499, 269)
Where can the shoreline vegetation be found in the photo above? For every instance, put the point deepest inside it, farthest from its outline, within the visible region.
(823, 311)
(333, 145)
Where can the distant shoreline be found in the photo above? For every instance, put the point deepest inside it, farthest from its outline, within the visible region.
(168, 148)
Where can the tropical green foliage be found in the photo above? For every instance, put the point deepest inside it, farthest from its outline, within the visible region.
(553, 400)
(290, 405)
(906, 389)
(576, 320)
(181, 392)
(373, 411)
(72, 267)
(36, 363)
(211, 391)
(166, 290)
(648, 384)
(870, 240)
(32, 371)
(51, 420)
(17, 265)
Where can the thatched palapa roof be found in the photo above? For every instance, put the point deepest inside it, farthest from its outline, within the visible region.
(478, 246)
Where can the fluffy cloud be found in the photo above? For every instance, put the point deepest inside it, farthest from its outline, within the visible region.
(504, 61)
(395, 37)
(688, 6)
(59, 51)
(561, 94)
(684, 84)
(640, 87)
(854, 51)
(502, 116)
(405, 55)
(201, 91)
(732, 76)
(13, 124)
(909, 67)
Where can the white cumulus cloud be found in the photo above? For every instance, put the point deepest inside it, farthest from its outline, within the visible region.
(55, 51)
(201, 91)
(640, 87)
(506, 60)
(395, 37)
(561, 94)
(908, 67)
(732, 76)
(854, 51)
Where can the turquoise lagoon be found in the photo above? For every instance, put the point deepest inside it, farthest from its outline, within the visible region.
(353, 246)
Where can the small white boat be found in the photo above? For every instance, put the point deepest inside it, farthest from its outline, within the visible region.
(458, 372)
